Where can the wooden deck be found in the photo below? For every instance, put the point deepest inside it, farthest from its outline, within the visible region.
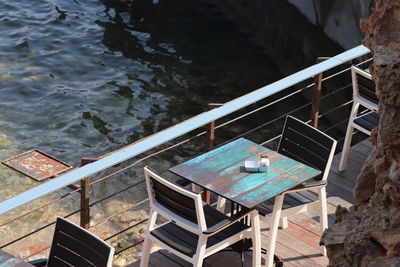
(298, 244)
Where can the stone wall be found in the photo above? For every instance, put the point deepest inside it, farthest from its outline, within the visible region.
(287, 36)
(369, 235)
(339, 19)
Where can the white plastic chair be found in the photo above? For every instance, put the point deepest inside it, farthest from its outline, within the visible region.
(314, 148)
(363, 95)
(194, 230)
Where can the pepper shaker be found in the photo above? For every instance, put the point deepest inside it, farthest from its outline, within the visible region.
(264, 160)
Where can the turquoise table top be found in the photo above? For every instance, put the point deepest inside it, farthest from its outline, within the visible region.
(8, 260)
(222, 172)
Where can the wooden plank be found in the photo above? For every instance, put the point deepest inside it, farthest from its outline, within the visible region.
(363, 147)
(137, 264)
(286, 249)
(302, 248)
(342, 181)
(334, 190)
(335, 201)
(354, 165)
(291, 257)
(300, 197)
(303, 234)
(313, 215)
(269, 204)
(305, 222)
(167, 258)
(229, 258)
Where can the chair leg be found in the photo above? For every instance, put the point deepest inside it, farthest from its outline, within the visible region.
(323, 217)
(283, 222)
(199, 256)
(346, 148)
(144, 261)
(273, 229)
(221, 204)
(255, 224)
(348, 137)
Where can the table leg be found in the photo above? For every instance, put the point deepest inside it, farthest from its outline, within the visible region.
(273, 229)
(206, 196)
(255, 224)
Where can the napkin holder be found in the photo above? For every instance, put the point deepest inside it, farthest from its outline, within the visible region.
(260, 165)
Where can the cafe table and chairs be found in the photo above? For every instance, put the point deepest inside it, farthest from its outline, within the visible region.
(223, 172)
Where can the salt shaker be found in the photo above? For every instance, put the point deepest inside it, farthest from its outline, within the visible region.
(264, 162)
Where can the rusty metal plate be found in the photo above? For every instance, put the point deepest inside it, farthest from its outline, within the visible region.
(36, 164)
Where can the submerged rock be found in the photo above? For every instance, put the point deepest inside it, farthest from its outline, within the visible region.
(5, 141)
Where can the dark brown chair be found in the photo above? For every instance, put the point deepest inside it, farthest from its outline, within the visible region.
(74, 246)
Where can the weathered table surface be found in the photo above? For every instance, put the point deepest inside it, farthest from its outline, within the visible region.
(8, 260)
(222, 171)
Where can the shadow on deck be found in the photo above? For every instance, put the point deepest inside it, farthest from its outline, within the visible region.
(298, 244)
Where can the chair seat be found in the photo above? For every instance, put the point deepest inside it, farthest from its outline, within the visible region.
(186, 242)
(368, 121)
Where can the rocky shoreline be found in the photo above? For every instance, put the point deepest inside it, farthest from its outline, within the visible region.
(369, 234)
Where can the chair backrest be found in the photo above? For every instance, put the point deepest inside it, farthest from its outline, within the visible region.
(175, 203)
(364, 90)
(74, 246)
(307, 145)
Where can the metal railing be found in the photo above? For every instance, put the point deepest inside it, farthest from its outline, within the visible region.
(215, 112)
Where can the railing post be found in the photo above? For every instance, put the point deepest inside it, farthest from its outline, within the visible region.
(85, 208)
(85, 194)
(316, 95)
(316, 100)
(210, 138)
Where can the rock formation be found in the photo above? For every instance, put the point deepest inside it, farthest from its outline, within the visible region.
(339, 19)
(291, 46)
(369, 235)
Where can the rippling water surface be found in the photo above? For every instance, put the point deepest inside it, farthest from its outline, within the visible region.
(81, 78)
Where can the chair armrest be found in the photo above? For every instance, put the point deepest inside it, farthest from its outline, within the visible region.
(38, 262)
(227, 222)
(183, 182)
(304, 186)
(308, 185)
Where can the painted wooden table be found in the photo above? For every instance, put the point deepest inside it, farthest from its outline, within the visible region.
(8, 260)
(222, 171)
